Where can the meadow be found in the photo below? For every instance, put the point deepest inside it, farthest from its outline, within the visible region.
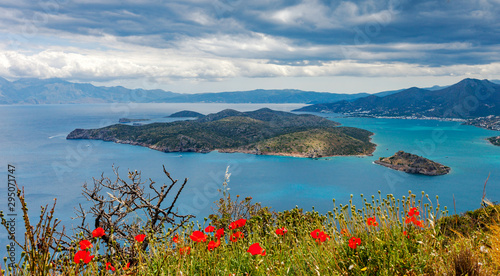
(412, 235)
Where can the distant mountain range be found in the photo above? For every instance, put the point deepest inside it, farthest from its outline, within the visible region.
(468, 98)
(57, 91)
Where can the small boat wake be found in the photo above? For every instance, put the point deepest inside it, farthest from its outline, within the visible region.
(58, 135)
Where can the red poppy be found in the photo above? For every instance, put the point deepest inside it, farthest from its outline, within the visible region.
(198, 236)
(410, 220)
(413, 212)
(319, 236)
(185, 250)
(98, 232)
(235, 236)
(372, 221)
(140, 237)
(175, 239)
(209, 229)
(109, 266)
(405, 234)
(315, 233)
(237, 224)
(281, 231)
(85, 244)
(255, 249)
(83, 256)
(354, 242)
(212, 244)
(127, 266)
(219, 233)
(419, 223)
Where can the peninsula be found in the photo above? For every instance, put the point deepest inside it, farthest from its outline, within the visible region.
(128, 120)
(495, 140)
(411, 163)
(263, 131)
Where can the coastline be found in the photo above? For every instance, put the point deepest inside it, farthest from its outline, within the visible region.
(254, 152)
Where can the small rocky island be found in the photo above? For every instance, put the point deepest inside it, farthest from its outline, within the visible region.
(495, 140)
(261, 132)
(186, 114)
(411, 163)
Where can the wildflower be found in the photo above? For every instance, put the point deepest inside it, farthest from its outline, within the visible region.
(209, 229)
(85, 244)
(109, 266)
(185, 250)
(235, 236)
(344, 232)
(354, 242)
(212, 244)
(255, 249)
(406, 234)
(219, 233)
(319, 236)
(98, 232)
(198, 236)
(126, 266)
(372, 221)
(281, 231)
(83, 256)
(175, 239)
(413, 212)
(237, 224)
(419, 223)
(140, 237)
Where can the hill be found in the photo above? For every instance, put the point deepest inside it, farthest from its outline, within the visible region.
(469, 98)
(58, 91)
(411, 163)
(186, 114)
(263, 131)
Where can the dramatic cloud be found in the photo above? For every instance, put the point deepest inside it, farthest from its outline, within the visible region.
(218, 40)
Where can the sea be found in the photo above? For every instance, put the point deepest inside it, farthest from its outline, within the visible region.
(33, 141)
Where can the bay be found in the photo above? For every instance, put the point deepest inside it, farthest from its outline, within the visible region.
(32, 139)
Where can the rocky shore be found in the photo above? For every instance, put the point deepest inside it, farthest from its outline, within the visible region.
(260, 132)
(414, 164)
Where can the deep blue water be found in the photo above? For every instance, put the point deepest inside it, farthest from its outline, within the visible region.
(33, 139)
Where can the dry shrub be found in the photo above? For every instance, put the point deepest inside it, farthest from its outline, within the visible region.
(494, 238)
(465, 263)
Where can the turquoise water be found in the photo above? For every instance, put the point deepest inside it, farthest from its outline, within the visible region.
(49, 166)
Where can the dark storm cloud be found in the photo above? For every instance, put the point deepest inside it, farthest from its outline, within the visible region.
(298, 33)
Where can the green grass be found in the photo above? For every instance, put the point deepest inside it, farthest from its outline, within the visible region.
(445, 245)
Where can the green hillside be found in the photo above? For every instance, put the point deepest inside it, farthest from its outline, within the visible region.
(259, 132)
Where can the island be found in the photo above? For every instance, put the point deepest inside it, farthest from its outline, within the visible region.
(411, 163)
(186, 114)
(127, 120)
(260, 132)
(495, 140)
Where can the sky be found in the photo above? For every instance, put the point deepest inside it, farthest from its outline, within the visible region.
(192, 46)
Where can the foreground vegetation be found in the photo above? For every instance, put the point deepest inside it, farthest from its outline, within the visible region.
(411, 235)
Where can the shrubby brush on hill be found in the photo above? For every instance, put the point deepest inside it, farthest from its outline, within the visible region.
(382, 236)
